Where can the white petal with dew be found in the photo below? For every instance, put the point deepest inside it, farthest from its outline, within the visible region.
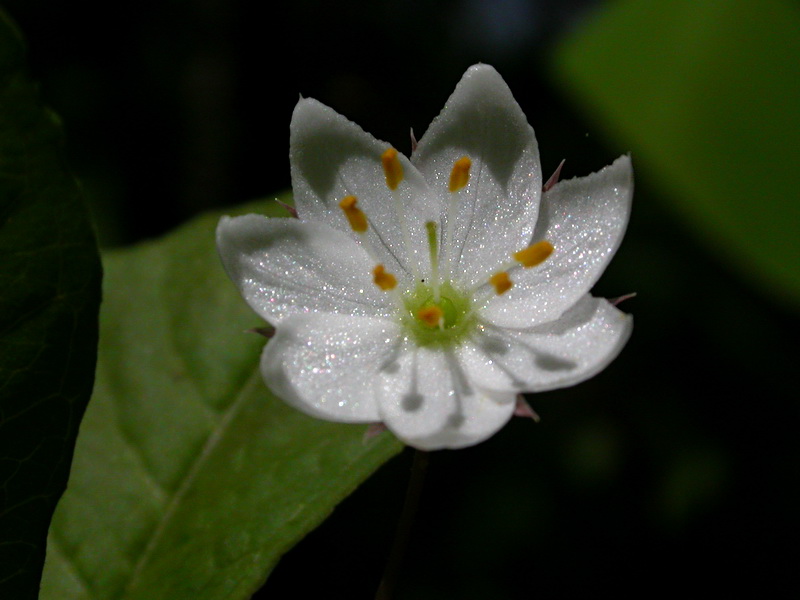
(332, 157)
(585, 220)
(284, 267)
(428, 402)
(327, 365)
(496, 212)
(562, 353)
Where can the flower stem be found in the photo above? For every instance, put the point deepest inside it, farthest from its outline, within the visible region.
(391, 573)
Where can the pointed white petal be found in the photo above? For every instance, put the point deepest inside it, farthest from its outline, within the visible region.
(284, 267)
(327, 365)
(332, 157)
(585, 220)
(570, 350)
(428, 402)
(496, 212)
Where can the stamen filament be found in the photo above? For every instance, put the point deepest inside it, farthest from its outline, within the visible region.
(448, 243)
(393, 171)
(532, 256)
(433, 249)
(529, 257)
(459, 177)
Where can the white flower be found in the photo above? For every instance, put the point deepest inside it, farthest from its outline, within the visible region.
(390, 295)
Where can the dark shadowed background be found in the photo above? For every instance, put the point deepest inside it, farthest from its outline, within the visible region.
(676, 469)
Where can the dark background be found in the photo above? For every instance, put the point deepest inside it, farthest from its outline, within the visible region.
(675, 470)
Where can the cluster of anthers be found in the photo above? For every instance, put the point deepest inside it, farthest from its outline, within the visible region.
(436, 311)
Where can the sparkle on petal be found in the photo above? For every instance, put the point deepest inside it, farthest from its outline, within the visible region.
(400, 313)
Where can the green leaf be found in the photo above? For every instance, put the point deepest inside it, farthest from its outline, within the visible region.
(705, 95)
(190, 478)
(49, 298)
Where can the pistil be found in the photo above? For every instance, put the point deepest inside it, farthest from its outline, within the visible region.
(433, 249)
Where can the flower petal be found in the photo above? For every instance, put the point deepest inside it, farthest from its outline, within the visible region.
(332, 157)
(584, 219)
(495, 214)
(427, 401)
(326, 365)
(570, 350)
(284, 267)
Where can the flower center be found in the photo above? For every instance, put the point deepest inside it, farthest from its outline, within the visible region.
(437, 323)
(436, 313)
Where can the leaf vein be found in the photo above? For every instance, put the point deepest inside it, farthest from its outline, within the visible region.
(214, 437)
(56, 547)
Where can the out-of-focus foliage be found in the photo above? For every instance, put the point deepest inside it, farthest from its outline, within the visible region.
(705, 94)
(672, 468)
(190, 479)
(49, 298)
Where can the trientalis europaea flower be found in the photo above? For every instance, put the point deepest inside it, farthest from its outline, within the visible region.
(428, 293)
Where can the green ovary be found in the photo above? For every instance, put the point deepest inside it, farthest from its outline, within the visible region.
(457, 319)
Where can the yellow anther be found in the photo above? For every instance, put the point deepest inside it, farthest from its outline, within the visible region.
(432, 315)
(535, 254)
(392, 168)
(356, 217)
(385, 281)
(459, 176)
(501, 282)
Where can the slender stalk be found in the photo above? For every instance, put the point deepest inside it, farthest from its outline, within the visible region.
(388, 585)
(433, 250)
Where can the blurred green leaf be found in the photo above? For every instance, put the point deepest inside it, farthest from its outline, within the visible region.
(705, 94)
(190, 478)
(49, 298)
